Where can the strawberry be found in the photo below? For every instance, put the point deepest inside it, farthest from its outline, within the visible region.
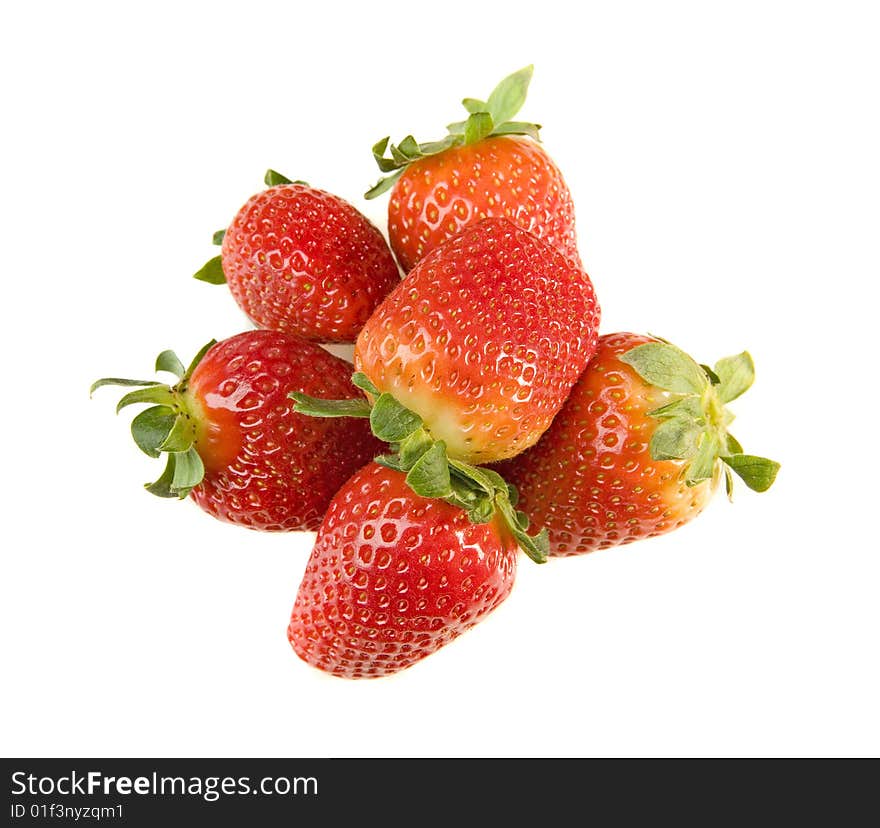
(483, 339)
(232, 439)
(487, 165)
(637, 449)
(303, 261)
(393, 577)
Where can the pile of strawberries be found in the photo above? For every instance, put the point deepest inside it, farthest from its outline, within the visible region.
(483, 415)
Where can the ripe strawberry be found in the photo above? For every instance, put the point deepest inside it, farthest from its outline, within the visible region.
(393, 577)
(232, 439)
(638, 447)
(482, 168)
(483, 339)
(303, 261)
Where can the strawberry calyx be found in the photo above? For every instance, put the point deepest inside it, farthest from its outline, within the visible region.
(212, 271)
(485, 118)
(168, 426)
(429, 470)
(693, 424)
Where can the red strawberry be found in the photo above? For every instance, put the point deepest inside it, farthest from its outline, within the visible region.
(482, 168)
(483, 339)
(232, 438)
(393, 577)
(303, 261)
(638, 447)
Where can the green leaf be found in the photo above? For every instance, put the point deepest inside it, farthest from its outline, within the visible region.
(758, 473)
(733, 446)
(211, 272)
(502, 487)
(508, 97)
(273, 179)
(472, 105)
(401, 159)
(151, 428)
(157, 394)
(675, 439)
(537, 547)
(180, 437)
(384, 164)
(119, 381)
(728, 483)
(666, 367)
(363, 382)
(162, 486)
(482, 511)
(429, 477)
(523, 520)
(382, 185)
(391, 461)
(736, 373)
(401, 156)
(409, 149)
(313, 407)
(688, 407)
(436, 147)
(474, 476)
(518, 128)
(703, 464)
(391, 421)
(189, 471)
(218, 237)
(478, 126)
(168, 361)
(465, 496)
(712, 376)
(456, 128)
(414, 446)
(198, 358)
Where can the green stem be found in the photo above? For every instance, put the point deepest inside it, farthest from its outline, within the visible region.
(314, 407)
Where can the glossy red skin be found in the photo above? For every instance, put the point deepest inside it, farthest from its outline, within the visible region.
(484, 339)
(303, 261)
(393, 577)
(265, 467)
(591, 480)
(504, 176)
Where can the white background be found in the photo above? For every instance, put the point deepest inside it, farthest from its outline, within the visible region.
(723, 158)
